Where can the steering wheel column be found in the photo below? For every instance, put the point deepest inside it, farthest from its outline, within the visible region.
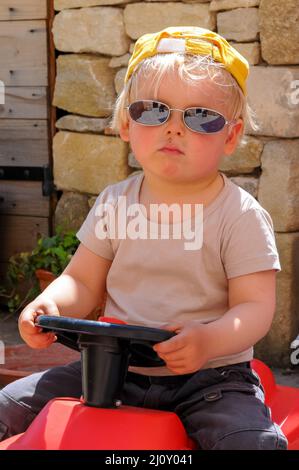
(107, 349)
(105, 363)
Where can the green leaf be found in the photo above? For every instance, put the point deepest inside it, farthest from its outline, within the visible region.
(50, 253)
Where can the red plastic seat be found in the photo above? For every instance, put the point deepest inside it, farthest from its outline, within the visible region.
(283, 402)
(56, 427)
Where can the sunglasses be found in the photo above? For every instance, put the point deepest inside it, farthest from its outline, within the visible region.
(155, 113)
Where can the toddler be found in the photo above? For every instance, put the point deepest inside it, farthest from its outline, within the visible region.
(182, 110)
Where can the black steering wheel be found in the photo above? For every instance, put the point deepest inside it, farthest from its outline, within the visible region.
(107, 349)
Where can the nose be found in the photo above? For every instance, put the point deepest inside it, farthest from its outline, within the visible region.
(175, 124)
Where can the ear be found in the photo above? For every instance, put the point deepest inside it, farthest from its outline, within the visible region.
(124, 132)
(233, 137)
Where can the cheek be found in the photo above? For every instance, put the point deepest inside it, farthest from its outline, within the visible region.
(137, 144)
(141, 138)
(209, 144)
(206, 152)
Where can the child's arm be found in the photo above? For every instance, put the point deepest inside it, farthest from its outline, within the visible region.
(251, 310)
(252, 300)
(76, 292)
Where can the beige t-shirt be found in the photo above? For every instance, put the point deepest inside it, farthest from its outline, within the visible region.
(154, 281)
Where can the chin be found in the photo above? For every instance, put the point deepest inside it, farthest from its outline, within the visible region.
(175, 177)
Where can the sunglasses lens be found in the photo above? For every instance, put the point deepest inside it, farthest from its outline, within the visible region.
(150, 113)
(204, 120)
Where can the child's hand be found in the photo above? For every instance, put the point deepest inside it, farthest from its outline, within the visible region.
(188, 350)
(31, 334)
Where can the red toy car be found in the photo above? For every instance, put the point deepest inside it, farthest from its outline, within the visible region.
(107, 349)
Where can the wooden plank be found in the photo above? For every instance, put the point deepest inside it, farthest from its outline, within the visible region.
(23, 59)
(25, 102)
(23, 9)
(23, 197)
(23, 142)
(31, 129)
(20, 233)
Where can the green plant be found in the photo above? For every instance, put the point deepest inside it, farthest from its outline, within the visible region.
(51, 253)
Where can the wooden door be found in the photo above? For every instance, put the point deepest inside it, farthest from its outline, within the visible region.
(27, 70)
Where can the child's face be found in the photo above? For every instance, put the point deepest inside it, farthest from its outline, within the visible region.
(198, 155)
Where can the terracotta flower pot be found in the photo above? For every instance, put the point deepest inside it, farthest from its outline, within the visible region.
(21, 360)
(44, 277)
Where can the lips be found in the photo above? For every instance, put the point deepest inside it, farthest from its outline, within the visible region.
(171, 150)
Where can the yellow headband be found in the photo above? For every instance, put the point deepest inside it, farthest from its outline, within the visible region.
(190, 40)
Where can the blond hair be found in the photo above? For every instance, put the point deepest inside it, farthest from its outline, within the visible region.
(190, 68)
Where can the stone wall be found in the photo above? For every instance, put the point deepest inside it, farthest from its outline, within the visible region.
(96, 39)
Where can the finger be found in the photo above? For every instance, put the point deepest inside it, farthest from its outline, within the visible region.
(39, 343)
(52, 338)
(27, 324)
(42, 337)
(31, 313)
(173, 344)
(29, 316)
(174, 326)
(177, 356)
(45, 339)
(48, 308)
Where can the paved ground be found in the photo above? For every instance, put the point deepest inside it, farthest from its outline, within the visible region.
(9, 329)
(9, 335)
(289, 377)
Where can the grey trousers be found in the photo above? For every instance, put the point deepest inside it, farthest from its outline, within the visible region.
(220, 408)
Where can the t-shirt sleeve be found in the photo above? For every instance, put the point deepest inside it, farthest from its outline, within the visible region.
(250, 245)
(88, 234)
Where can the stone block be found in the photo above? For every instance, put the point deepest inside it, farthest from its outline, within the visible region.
(141, 18)
(63, 4)
(274, 98)
(219, 5)
(279, 183)
(245, 159)
(279, 31)
(88, 163)
(241, 25)
(251, 51)
(84, 85)
(82, 124)
(121, 61)
(96, 30)
(71, 210)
